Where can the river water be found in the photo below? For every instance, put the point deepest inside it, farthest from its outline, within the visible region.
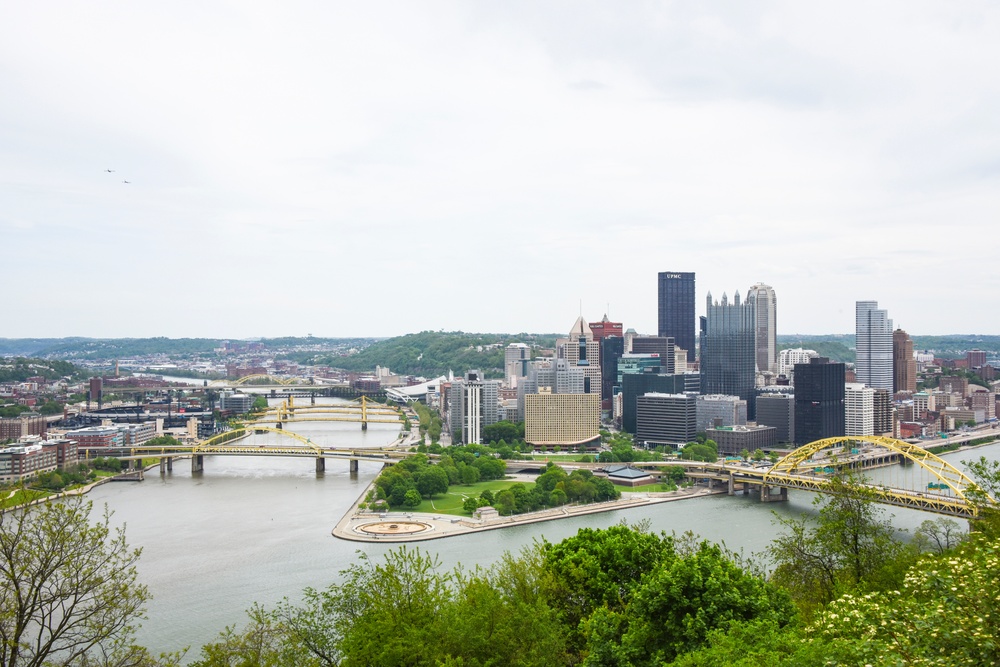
(257, 529)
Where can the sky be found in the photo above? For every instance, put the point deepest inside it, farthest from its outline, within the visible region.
(376, 169)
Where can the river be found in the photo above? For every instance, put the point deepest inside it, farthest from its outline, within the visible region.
(257, 529)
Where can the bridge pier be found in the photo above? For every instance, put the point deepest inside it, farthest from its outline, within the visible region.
(163, 466)
(364, 426)
(732, 485)
(354, 465)
(320, 464)
(312, 398)
(279, 426)
(197, 463)
(768, 495)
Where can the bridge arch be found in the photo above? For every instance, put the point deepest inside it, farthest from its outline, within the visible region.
(205, 446)
(800, 462)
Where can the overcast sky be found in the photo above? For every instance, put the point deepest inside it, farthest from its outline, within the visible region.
(377, 168)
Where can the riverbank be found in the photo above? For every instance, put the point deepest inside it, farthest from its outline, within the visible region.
(363, 526)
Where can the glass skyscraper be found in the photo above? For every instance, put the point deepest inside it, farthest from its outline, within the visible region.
(873, 342)
(675, 300)
(728, 354)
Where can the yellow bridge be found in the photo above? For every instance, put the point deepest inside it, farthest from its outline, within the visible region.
(363, 411)
(949, 493)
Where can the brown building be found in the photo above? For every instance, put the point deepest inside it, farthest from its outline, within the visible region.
(882, 413)
(15, 428)
(605, 328)
(904, 364)
(975, 358)
(954, 385)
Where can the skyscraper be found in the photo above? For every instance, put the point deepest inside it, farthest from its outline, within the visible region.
(873, 342)
(675, 301)
(904, 364)
(765, 334)
(727, 350)
(819, 400)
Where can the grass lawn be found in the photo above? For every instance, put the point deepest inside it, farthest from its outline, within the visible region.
(21, 496)
(649, 488)
(451, 502)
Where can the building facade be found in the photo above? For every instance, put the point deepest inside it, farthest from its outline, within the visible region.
(666, 419)
(612, 349)
(732, 440)
(819, 400)
(562, 420)
(859, 409)
(873, 344)
(904, 364)
(474, 403)
(765, 332)
(662, 346)
(675, 309)
(788, 358)
(727, 361)
(778, 410)
(637, 384)
(720, 410)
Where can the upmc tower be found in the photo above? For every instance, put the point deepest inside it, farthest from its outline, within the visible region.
(676, 309)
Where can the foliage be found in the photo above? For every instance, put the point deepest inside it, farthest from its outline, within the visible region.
(507, 431)
(14, 410)
(850, 547)
(19, 369)
(707, 451)
(68, 589)
(434, 353)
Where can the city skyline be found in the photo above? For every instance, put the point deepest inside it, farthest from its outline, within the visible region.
(267, 169)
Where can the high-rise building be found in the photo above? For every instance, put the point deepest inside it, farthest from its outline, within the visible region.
(777, 410)
(873, 342)
(788, 358)
(605, 328)
(474, 403)
(819, 400)
(517, 356)
(882, 413)
(727, 361)
(718, 410)
(765, 333)
(665, 419)
(661, 345)
(583, 352)
(975, 359)
(612, 349)
(904, 364)
(675, 300)
(859, 409)
(637, 384)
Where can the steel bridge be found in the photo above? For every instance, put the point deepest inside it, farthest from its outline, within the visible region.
(364, 411)
(802, 469)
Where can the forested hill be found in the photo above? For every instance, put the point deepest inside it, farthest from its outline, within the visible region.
(840, 347)
(19, 369)
(187, 348)
(434, 353)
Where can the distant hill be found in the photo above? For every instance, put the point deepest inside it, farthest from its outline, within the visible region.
(103, 349)
(840, 347)
(434, 353)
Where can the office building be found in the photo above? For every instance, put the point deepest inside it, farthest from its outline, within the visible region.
(675, 301)
(236, 402)
(904, 364)
(765, 332)
(474, 403)
(788, 358)
(975, 359)
(553, 376)
(637, 384)
(612, 349)
(819, 400)
(733, 440)
(777, 410)
(15, 428)
(882, 413)
(720, 410)
(873, 344)
(517, 356)
(562, 420)
(584, 352)
(665, 419)
(630, 364)
(859, 409)
(605, 328)
(659, 345)
(727, 361)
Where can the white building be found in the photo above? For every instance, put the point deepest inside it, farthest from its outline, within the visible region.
(765, 333)
(788, 358)
(859, 409)
(720, 410)
(873, 343)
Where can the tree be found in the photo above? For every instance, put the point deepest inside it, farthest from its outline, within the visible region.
(850, 547)
(411, 498)
(68, 589)
(431, 480)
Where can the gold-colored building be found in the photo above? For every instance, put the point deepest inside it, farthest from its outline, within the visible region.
(563, 420)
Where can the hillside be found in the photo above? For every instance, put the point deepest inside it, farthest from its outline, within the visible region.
(434, 353)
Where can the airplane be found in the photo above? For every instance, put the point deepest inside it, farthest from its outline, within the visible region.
(109, 170)
(124, 181)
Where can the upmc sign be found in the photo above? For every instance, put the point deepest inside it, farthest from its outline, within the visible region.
(672, 276)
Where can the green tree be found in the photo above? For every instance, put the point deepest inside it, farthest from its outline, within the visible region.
(411, 498)
(850, 547)
(68, 588)
(432, 480)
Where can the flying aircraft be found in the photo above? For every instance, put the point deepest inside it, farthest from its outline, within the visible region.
(124, 181)
(109, 170)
